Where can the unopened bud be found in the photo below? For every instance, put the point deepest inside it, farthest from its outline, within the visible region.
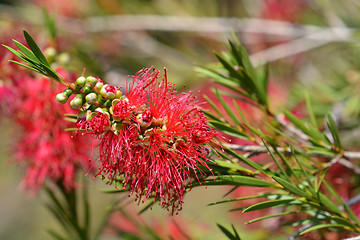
(87, 89)
(91, 98)
(98, 86)
(77, 102)
(80, 82)
(81, 114)
(91, 81)
(91, 108)
(108, 103)
(118, 92)
(108, 91)
(61, 98)
(68, 92)
(101, 100)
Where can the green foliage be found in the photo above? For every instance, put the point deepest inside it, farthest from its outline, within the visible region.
(228, 233)
(238, 74)
(34, 58)
(295, 182)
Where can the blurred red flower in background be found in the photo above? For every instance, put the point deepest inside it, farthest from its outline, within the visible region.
(42, 146)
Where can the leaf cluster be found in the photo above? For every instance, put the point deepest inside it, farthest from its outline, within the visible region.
(294, 182)
(34, 58)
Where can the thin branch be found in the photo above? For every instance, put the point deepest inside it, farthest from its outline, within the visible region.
(296, 46)
(296, 133)
(297, 234)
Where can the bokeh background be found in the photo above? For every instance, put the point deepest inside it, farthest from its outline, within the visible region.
(311, 46)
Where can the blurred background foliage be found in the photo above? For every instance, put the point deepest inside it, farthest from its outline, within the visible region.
(311, 46)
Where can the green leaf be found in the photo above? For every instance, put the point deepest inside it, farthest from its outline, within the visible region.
(292, 187)
(352, 215)
(149, 205)
(287, 164)
(70, 120)
(213, 105)
(276, 161)
(50, 23)
(310, 110)
(325, 201)
(70, 115)
(232, 166)
(230, 235)
(86, 207)
(320, 226)
(243, 79)
(112, 190)
(236, 53)
(74, 129)
(236, 199)
(268, 204)
(245, 58)
(104, 219)
(13, 51)
(26, 66)
(227, 109)
(303, 222)
(334, 131)
(35, 48)
(248, 161)
(55, 235)
(227, 129)
(240, 180)
(271, 216)
(26, 51)
(343, 221)
(305, 173)
(48, 71)
(211, 116)
(228, 82)
(259, 86)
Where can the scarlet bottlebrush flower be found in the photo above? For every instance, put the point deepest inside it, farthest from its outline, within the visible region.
(44, 148)
(155, 141)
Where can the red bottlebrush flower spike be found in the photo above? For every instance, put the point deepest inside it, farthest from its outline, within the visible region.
(155, 141)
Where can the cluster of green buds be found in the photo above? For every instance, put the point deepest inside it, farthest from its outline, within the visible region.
(90, 93)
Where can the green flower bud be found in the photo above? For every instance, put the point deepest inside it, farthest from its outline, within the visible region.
(91, 108)
(98, 85)
(108, 103)
(77, 102)
(118, 92)
(91, 81)
(81, 114)
(80, 82)
(61, 98)
(87, 89)
(91, 98)
(101, 100)
(68, 92)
